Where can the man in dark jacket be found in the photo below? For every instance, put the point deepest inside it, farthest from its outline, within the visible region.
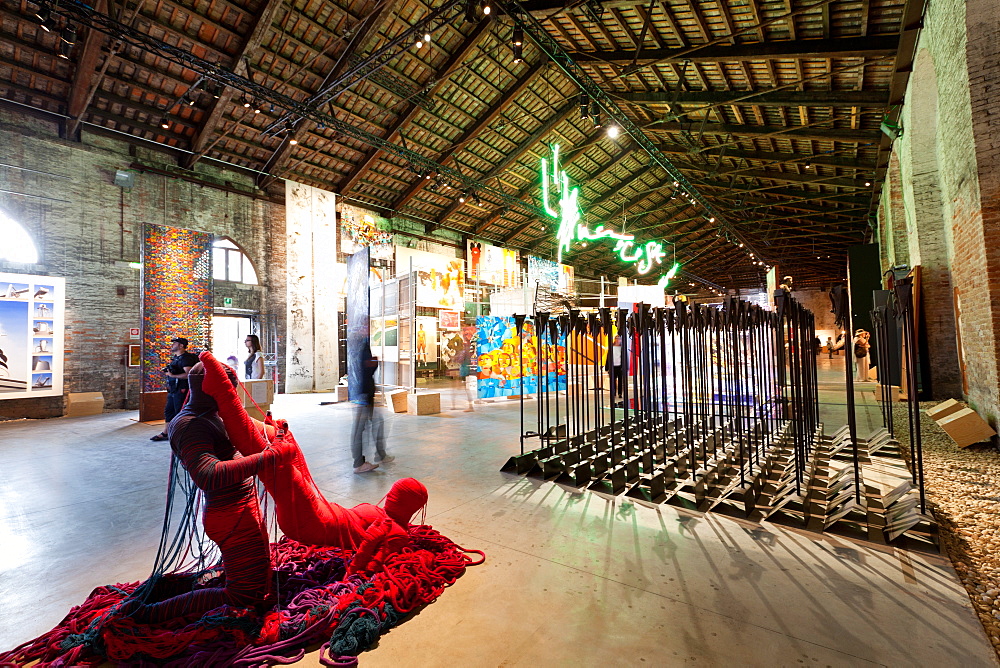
(177, 382)
(364, 413)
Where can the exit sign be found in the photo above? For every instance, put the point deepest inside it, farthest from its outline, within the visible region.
(227, 301)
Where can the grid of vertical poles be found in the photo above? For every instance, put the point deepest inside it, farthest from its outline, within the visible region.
(707, 408)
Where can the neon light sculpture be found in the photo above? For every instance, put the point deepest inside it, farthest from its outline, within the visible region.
(561, 202)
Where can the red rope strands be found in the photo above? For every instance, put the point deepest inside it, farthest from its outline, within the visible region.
(318, 600)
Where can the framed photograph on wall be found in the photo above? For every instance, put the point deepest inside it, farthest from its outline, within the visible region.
(135, 355)
(31, 335)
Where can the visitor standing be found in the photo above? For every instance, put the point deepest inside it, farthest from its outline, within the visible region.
(829, 347)
(253, 366)
(177, 381)
(861, 347)
(615, 368)
(365, 413)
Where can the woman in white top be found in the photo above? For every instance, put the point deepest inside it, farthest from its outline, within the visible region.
(254, 364)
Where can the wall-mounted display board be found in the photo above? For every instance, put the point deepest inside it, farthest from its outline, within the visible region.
(360, 228)
(439, 277)
(492, 264)
(31, 335)
(549, 274)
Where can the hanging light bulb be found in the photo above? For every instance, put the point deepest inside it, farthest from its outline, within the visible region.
(427, 37)
(487, 10)
(613, 131)
(419, 44)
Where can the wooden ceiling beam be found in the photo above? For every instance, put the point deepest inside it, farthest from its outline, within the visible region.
(412, 110)
(777, 131)
(850, 47)
(261, 26)
(484, 120)
(358, 42)
(784, 98)
(85, 74)
(515, 155)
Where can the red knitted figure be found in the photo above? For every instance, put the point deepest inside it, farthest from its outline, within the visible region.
(303, 514)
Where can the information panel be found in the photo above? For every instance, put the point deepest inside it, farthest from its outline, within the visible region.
(31, 335)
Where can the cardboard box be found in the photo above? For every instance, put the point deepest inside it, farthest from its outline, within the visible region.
(396, 401)
(966, 427)
(944, 409)
(425, 403)
(261, 392)
(79, 404)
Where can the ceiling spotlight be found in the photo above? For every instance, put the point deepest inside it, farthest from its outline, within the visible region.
(293, 141)
(584, 102)
(43, 13)
(808, 164)
(68, 34)
(518, 37)
(246, 103)
(486, 8)
(712, 219)
(868, 183)
(419, 44)
(165, 124)
(673, 195)
(64, 50)
(461, 198)
(191, 102)
(427, 37)
(613, 131)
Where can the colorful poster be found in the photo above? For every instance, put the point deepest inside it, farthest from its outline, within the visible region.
(31, 335)
(492, 264)
(439, 277)
(385, 338)
(543, 272)
(509, 367)
(450, 319)
(566, 279)
(426, 340)
(360, 228)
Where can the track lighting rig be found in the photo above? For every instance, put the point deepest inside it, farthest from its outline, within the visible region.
(600, 99)
(212, 72)
(416, 35)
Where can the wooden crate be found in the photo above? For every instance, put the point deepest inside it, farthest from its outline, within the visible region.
(79, 404)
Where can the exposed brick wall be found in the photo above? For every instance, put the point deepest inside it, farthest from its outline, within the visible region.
(89, 230)
(951, 173)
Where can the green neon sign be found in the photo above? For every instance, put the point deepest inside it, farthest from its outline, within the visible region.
(561, 202)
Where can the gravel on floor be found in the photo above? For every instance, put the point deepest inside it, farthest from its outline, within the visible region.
(963, 491)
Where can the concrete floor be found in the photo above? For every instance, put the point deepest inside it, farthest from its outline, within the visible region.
(571, 578)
